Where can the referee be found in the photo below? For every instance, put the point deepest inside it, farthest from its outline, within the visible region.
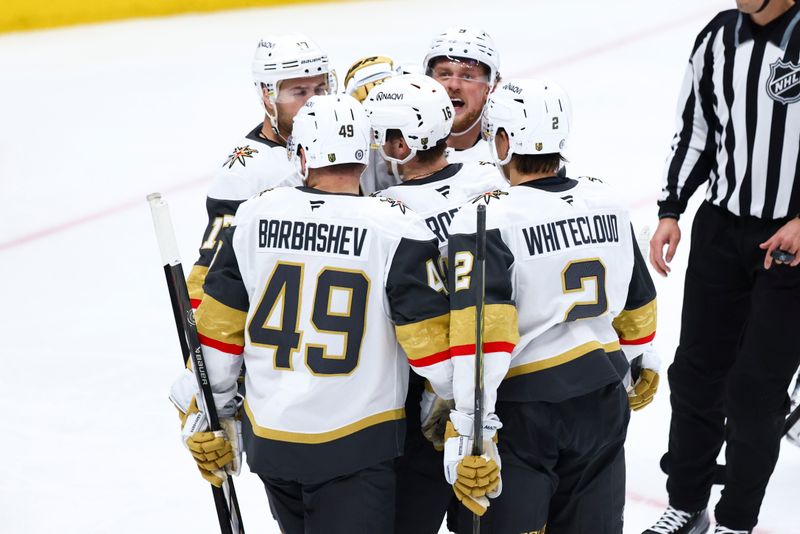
(739, 132)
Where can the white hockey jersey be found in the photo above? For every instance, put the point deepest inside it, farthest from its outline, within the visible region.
(565, 284)
(313, 291)
(253, 165)
(477, 152)
(438, 197)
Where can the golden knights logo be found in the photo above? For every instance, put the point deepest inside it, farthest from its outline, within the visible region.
(783, 84)
(394, 203)
(239, 154)
(489, 195)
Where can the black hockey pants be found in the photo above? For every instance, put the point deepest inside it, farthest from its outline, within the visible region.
(738, 352)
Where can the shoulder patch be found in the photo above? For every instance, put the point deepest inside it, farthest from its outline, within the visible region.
(393, 203)
(489, 195)
(240, 153)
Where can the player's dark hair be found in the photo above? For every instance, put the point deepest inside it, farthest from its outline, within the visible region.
(531, 163)
(423, 156)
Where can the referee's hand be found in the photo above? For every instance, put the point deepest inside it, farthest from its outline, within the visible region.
(667, 233)
(786, 238)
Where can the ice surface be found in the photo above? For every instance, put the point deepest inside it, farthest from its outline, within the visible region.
(93, 118)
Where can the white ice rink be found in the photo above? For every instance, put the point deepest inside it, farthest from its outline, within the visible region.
(93, 118)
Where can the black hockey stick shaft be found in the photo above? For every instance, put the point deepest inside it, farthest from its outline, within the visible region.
(227, 507)
(480, 294)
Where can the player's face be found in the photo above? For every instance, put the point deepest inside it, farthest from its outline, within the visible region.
(293, 93)
(749, 7)
(467, 85)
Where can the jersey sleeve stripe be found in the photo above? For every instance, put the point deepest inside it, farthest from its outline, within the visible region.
(430, 360)
(640, 341)
(221, 326)
(636, 324)
(227, 348)
(500, 321)
(560, 359)
(425, 342)
(194, 284)
(469, 350)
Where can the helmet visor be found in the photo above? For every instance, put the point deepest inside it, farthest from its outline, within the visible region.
(446, 68)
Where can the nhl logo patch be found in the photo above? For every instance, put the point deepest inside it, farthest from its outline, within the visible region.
(783, 84)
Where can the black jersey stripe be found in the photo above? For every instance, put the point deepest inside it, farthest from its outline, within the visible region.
(751, 123)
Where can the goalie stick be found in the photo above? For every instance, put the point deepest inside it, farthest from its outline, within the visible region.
(480, 290)
(225, 500)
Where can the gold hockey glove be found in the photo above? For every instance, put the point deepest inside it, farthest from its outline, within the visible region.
(475, 479)
(365, 74)
(434, 415)
(645, 364)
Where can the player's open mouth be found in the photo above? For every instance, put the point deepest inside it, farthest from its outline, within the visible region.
(457, 103)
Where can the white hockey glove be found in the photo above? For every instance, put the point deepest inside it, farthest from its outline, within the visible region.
(434, 415)
(644, 367)
(475, 479)
(219, 453)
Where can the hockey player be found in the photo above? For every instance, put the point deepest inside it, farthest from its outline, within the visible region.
(287, 71)
(313, 288)
(567, 298)
(466, 62)
(361, 77)
(411, 117)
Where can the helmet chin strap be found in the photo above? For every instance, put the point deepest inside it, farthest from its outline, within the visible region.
(763, 6)
(499, 163)
(459, 134)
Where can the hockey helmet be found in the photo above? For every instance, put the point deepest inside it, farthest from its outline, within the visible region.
(536, 115)
(464, 43)
(415, 104)
(332, 129)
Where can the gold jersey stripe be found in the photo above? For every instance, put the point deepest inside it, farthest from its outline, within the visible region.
(500, 324)
(194, 283)
(425, 338)
(219, 322)
(322, 437)
(638, 323)
(554, 361)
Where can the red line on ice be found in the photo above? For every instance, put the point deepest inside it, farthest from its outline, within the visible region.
(601, 48)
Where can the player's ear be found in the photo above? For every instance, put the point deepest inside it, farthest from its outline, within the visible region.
(397, 147)
(501, 143)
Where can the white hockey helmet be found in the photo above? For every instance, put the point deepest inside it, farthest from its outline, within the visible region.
(366, 73)
(536, 115)
(415, 104)
(470, 43)
(284, 57)
(332, 129)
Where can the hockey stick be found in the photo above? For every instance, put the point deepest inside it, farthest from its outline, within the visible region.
(225, 501)
(480, 289)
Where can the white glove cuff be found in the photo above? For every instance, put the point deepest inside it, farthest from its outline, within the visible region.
(465, 424)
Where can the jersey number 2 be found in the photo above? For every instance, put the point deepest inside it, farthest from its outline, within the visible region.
(573, 277)
(284, 289)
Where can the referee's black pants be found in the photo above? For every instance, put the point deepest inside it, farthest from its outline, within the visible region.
(738, 352)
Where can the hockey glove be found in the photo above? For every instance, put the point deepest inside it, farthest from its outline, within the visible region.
(217, 454)
(365, 74)
(475, 479)
(643, 390)
(434, 415)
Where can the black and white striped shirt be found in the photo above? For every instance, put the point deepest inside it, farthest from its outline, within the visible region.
(739, 119)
